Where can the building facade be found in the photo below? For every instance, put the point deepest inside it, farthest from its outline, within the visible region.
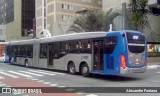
(153, 34)
(61, 13)
(15, 16)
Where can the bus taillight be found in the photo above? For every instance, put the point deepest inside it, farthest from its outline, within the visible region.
(123, 61)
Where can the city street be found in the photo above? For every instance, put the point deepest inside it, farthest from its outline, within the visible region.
(18, 76)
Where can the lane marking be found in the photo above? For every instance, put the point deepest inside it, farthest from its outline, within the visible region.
(41, 72)
(2, 84)
(20, 74)
(35, 79)
(51, 72)
(47, 82)
(61, 86)
(157, 72)
(69, 89)
(80, 92)
(53, 84)
(41, 81)
(31, 73)
(9, 75)
(1, 77)
(91, 95)
(153, 67)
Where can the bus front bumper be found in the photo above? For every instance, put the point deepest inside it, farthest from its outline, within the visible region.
(132, 70)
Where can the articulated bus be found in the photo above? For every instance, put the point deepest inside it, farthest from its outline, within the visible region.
(108, 53)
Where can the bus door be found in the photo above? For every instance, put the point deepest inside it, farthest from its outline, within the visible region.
(15, 52)
(50, 55)
(112, 54)
(98, 64)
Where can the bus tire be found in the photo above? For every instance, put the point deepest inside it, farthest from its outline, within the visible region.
(85, 70)
(71, 68)
(26, 63)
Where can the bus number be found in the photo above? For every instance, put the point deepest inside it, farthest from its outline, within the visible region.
(84, 57)
(135, 37)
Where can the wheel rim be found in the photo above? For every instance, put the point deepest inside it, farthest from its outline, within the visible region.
(72, 69)
(85, 70)
(26, 63)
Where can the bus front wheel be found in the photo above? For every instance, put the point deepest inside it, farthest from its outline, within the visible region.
(85, 70)
(72, 68)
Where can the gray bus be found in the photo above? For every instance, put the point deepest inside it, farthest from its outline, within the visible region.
(89, 52)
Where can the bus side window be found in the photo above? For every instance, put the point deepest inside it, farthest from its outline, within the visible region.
(79, 44)
(56, 50)
(86, 46)
(73, 47)
(29, 50)
(43, 51)
(63, 48)
(110, 44)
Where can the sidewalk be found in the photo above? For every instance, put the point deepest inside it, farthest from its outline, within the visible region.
(153, 63)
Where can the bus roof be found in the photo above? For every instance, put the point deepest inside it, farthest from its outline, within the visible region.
(4, 42)
(22, 42)
(73, 36)
(84, 35)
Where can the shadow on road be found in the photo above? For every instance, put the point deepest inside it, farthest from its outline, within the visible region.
(114, 78)
(94, 76)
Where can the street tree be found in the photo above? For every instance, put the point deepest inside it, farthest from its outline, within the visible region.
(94, 21)
(138, 14)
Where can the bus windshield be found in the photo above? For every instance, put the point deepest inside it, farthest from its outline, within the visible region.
(136, 42)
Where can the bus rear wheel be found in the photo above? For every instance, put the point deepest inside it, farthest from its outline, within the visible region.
(72, 68)
(85, 70)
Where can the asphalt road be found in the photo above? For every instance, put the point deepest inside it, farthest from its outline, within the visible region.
(76, 85)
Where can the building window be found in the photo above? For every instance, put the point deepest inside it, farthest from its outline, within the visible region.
(64, 6)
(88, 1)
(70, 7)
(7, 9)
(67, 7)
(66, 17)
(99, 2)
(28, 13)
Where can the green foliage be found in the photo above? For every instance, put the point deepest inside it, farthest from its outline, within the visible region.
(93, 21)
(138, 14)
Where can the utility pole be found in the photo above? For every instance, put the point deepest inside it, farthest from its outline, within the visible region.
(43, 14)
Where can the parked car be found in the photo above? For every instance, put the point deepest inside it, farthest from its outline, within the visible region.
(4, 58)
